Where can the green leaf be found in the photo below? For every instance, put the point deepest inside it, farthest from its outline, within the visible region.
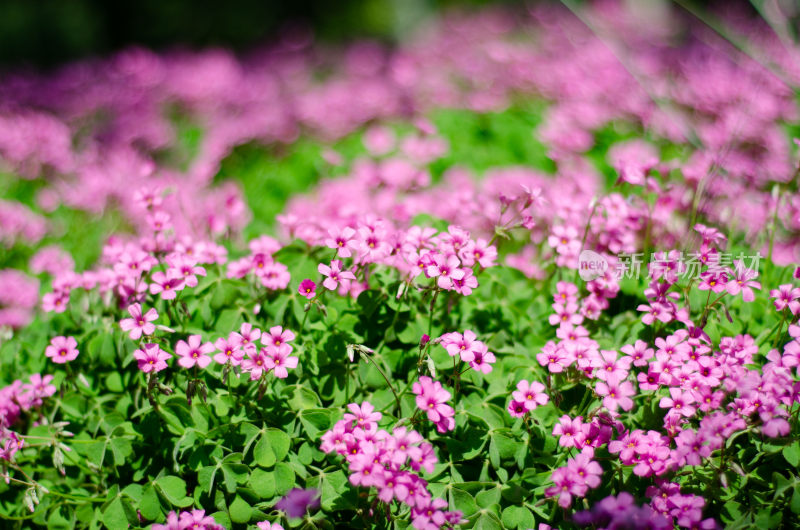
(315, 420)
(114, 515)
(488, 521)
(174, 490)
(262, 483)
(263, 453)
(240, 511)
(234, 474)
(149, 505)
(284, 478)
(463, 501)
(792, 454)
(488, 497)
(280, 442)
(206, 476)
(121, 448)
(795, 502)
(518, 517)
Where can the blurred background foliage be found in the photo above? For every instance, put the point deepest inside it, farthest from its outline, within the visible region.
(46, 33)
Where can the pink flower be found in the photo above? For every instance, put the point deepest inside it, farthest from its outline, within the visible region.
(445, 270)
(266, 525)
(609, 368)
(166, 284)
(229, 350)
(62, 349)
(343, 241)
(457, 344)
(277, 336)
(639, 352)
(553, 357)
(585, 469)
(432, 399)
(465, 285)
(255, 363)
(567, 429)
(616, 394)
(185, 267)
(478, 252)
(364, 415)
(274, 276)
(565, 484)
(743, 281)
(247, 336)
(483, 358)
(151, 358)
(307, 288)
(278, 360)
(139, 324)
(679, 402)
(334, 274)
(530, 394)
(786, 296)
(194, 353)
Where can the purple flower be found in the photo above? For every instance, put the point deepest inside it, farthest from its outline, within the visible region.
(298, 501)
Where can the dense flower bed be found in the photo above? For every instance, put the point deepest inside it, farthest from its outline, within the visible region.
(573, 302)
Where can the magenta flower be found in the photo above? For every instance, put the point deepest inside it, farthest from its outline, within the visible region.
(565, 484)
(197, 519)
(62, 349)
(139, 324)
(152, 358)
(166, 284)
(786, 296)
(465, 285)
(517, 409)
(193, 353)
(307, 288)
(334, 274)
(460, 345)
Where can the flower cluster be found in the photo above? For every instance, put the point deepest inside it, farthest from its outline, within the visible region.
(432, 400)
(470, 350)
(16, 399)
(189, 520)
(390, 463)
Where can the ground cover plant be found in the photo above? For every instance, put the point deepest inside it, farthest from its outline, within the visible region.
(527, 270)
